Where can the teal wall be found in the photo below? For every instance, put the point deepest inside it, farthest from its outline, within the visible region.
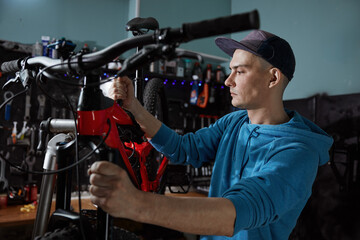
(325, 37)
(324, 33)
(98, 23)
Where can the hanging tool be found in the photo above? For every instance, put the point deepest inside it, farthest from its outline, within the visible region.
(31, 155)
(41, 100)
(194, 128)
(30, 161)
(3, 181)
(209, 120)
(202, 122)
(8, 95)
(204, 95)
(14, 132)
(197, 76)
(23, 131)
(212, 93)
(194, 91)
(27, 106)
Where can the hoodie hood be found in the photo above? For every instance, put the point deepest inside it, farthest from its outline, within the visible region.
(302, 130)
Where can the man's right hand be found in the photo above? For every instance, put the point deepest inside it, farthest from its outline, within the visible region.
(123, 89)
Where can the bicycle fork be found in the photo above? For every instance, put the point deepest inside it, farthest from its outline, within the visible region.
(47, 185)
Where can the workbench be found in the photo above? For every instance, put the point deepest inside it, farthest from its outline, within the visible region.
(12, 219)
(12, 216)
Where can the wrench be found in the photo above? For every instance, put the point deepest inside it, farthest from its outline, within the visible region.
(2, 173)
(27, 107)
(209, 120)
(31, 157)
(32, 149)
(30, 161)
(42, 100)
(23, 131)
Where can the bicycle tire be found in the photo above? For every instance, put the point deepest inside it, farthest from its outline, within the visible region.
(155, 102)
(155, 99)
(72, 233)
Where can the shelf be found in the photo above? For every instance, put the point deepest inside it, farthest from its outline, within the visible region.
(208, 57)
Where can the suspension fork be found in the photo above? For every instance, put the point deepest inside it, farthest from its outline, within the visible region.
(65, 156)
(47, 185)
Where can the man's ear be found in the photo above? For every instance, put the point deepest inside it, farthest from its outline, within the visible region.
(275, 74)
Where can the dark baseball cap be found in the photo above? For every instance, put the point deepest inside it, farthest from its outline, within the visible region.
(268, 46)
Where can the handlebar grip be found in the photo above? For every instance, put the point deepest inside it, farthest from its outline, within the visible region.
(222, 25)
(11, 66)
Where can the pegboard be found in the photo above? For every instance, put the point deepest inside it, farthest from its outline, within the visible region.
(26, 113)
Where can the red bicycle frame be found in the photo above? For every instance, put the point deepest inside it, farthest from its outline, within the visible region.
(95, 123)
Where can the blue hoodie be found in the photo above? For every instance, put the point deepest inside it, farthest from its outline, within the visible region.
(267, 171)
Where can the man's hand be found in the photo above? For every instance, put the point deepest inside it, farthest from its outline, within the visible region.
(122, 88)
(112, 190)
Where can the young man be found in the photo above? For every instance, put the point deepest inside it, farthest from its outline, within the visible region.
(266, 158)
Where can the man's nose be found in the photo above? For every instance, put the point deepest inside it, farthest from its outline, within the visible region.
(229, 81)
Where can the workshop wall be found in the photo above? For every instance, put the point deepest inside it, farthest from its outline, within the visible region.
(98, 24)
(324, 35)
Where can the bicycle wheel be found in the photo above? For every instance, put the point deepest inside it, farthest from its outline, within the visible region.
(155, 102)
(72, 233)
(155, 99)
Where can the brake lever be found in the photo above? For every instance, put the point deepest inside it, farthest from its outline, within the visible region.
(11, 81)
(23, 76)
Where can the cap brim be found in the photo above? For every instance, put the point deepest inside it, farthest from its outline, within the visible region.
(229, 45)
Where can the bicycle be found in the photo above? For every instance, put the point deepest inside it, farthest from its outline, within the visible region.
(100, 124)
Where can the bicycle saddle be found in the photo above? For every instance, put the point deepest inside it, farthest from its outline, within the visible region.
(140, 26)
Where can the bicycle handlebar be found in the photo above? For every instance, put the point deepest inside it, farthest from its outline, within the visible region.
(11, 66)
(222, 25)
(188, 32)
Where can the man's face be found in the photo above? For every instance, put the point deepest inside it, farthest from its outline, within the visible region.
(247, 80)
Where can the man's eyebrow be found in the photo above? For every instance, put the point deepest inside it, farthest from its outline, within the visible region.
(239, 65)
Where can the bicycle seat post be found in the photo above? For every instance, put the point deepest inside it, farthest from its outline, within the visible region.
(138, 84)
(139, 26)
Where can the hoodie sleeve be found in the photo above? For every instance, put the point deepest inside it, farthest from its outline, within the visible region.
(282, 184)
(191, 148)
